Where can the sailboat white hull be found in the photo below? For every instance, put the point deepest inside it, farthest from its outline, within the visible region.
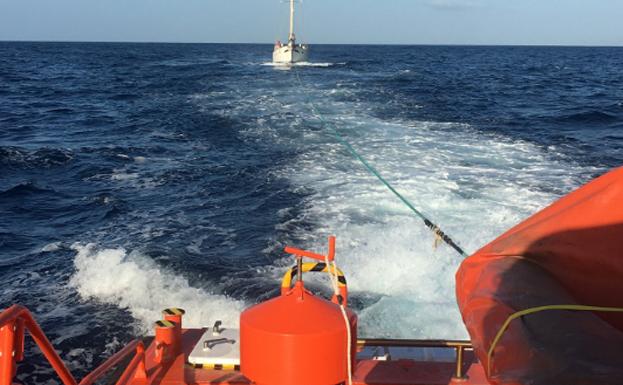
(291, 54)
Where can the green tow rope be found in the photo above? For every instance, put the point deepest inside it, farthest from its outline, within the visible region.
(327, 126)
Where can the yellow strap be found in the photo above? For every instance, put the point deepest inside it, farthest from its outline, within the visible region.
(307, 267)
(537, 309)
(224, 367)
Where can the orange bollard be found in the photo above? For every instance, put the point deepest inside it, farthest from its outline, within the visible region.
(174, 315)
(166, 340)
(141, 371)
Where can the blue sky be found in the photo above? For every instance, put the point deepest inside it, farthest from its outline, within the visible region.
(568, 22)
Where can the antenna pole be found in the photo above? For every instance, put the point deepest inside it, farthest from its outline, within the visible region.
(291, 37)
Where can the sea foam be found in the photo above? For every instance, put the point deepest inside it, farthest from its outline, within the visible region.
(136, 283)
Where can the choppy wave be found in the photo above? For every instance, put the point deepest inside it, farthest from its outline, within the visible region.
(41, 158)
(22, 189)
(590, 117)
(134, 282)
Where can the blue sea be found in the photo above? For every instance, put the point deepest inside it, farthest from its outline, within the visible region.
(135, 177)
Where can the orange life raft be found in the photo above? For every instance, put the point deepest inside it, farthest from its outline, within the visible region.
(569, 254)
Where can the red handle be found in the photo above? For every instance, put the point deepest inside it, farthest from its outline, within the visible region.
(308, 254)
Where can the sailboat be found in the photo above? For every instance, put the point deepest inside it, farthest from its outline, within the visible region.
(291, 52)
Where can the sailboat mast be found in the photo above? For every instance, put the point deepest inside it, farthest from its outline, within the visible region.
(291, 20)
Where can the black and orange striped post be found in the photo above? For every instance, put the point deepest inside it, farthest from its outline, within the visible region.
(166, 336)
(174, 314)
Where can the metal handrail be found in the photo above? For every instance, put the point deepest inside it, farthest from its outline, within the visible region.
(15, 320)
(413, 343)
(458, 346)
(114, 360)
(8, 320)
(136, 366)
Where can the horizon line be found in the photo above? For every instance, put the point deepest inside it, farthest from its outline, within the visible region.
(561, 45)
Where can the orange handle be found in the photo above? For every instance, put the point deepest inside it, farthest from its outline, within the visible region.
(308, 254)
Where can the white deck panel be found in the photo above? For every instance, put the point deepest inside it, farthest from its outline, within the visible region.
(226, 353)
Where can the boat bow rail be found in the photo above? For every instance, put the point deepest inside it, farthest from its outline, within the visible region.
(16, 320)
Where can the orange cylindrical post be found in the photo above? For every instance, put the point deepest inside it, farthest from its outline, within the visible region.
(175, 315)
(19, 340)
(7, 363)
(141, 371)
(166, 340)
